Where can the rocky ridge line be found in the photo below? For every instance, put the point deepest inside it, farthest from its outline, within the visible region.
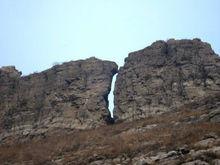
(165, 76)
(73, 95)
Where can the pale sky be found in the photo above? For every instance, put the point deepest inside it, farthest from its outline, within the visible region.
(34, 34)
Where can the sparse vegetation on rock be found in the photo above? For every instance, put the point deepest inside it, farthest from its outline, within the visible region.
(167, 105)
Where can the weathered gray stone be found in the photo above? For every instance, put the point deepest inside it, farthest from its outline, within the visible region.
(215, 151)
(165, 76)
(196, 162)
(216, 162)
(205, 143)
(214, 116)
(72, 95)
(98, 162)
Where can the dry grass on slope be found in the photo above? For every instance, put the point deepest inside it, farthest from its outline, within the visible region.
(168, 131)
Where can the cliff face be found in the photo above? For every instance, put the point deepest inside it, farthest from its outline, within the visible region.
(166, 95)
(71, 95)
(165, 76)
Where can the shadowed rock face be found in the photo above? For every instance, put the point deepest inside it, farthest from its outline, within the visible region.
(71, 95)
(165, 76)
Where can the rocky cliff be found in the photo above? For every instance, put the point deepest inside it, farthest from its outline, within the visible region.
(165, 76)
(167, 99)
(72, 95)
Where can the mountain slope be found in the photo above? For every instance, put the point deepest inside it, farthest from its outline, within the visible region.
(167, 110)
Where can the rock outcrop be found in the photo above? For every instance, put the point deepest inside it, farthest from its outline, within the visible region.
(168, 94)
(72, 95)
(165, 76)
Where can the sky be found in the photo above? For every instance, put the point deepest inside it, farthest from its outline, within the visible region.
(36, 34)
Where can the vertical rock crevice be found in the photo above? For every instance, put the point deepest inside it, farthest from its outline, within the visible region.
(110, 119)
(111, 96)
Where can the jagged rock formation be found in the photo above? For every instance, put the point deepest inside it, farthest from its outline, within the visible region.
(165, 76)
(178, 81)
(71, 95)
